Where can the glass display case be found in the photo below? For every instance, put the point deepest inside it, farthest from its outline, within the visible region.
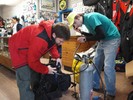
(4, 54)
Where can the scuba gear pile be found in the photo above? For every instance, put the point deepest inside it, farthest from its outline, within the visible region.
(77, 62)
(83, 73)
(51, 86)
(86, 79)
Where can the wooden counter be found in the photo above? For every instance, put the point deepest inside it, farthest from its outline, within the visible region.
(69, 49)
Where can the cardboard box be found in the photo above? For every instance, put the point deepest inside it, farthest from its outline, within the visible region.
(129, 69)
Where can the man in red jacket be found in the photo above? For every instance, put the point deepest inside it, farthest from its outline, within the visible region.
(27, 46)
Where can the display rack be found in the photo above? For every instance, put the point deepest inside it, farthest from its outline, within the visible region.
(8, 26)
(4, 54)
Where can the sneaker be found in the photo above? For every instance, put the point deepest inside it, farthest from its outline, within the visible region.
(98, 90)
(110, 97)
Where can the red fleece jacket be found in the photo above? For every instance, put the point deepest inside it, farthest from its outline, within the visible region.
(26, 47)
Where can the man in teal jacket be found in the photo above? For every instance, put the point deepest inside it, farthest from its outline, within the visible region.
(105, 32)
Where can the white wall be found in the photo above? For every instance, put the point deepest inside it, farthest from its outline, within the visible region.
(79, 7)
(71, 2)
(16, 10)
(10, 11)
(0, 11)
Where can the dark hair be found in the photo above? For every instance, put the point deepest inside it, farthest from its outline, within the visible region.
(61, 30)
(17, 19)
(2, 21)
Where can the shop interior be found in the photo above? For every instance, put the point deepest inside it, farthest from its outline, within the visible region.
(31, 12)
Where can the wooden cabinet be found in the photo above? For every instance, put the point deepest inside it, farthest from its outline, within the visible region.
(4, 54)
(70, 47)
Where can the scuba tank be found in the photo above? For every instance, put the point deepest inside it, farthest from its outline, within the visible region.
(86, 79)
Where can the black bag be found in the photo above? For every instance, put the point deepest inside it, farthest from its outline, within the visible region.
(130, 96)
(90, 2)
(51, 86)
(127, 39)
(105, 7)
(64, 81)
(126, 47)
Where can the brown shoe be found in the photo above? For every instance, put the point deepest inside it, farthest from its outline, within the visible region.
(110, 97)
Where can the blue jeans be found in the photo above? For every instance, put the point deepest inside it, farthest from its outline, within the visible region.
(25, 80)
(105, 56)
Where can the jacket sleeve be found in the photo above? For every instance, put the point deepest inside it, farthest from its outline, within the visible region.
(36, 50)
(100, 34)
(54, 52)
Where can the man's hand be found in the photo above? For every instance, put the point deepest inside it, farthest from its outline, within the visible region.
(81, 39)
(51, 70)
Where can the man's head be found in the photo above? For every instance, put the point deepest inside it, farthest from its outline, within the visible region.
(75, 20)
(15, 19)
(1, 23)
(61, 32)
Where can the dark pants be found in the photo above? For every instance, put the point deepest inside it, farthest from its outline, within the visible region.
(26, 79)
